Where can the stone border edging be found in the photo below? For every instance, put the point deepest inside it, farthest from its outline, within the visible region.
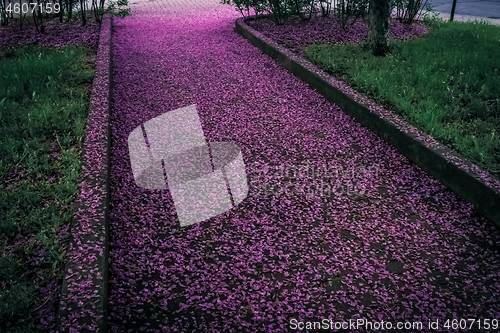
(83, 304)
(465, 18)
(464, 178)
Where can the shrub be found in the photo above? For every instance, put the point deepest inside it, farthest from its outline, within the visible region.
(279, 9)
(114, 5)
(408, 10)
(61, 9)
(325, 7)
(351, 10)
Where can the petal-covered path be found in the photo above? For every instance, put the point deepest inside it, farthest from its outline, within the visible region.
(403, 248)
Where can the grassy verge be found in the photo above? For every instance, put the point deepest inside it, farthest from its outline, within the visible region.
(446, 83)
(43, 111)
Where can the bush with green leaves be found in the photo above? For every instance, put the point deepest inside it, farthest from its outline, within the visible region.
(279, 9)
(408, 10)
(348, 11)
(351, 10)
(116, 8)
(243, 6)
(325, 6)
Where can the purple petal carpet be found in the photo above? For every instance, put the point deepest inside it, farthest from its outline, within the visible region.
(402, 248)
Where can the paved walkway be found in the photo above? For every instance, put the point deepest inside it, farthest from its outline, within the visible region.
(469, 10)
(406, 250)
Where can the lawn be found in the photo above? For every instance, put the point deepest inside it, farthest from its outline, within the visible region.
(445, 83)
(44, 100)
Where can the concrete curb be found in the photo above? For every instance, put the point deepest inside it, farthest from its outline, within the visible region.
(465, 18)
(464, 178)
(84, 295)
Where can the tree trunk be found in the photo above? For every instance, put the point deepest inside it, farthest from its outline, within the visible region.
(84, 14)
(39, 16)
(61, 11)
(380, 14)
(70, 9)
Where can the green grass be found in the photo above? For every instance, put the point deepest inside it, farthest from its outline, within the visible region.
(43, 110)
(446, 83)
